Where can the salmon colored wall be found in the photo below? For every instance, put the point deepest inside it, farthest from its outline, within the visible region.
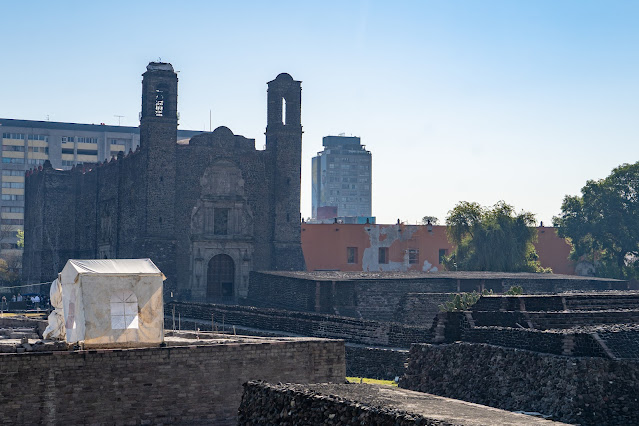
(325, 247)
(553, 251)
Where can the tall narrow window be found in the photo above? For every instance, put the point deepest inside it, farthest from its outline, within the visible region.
(284, 111)
(442, 253)
(413, 256)
(159, 103)
(383, 255)
(351, 254)
(220, 221)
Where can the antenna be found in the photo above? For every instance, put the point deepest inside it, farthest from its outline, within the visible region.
(119, 117)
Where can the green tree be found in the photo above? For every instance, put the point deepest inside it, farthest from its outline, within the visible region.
(462, 301)
(491, 239)
(20, 235)
(432, 219)
(7, 277)
(603, 223)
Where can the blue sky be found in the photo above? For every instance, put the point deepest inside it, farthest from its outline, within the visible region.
(457, 100)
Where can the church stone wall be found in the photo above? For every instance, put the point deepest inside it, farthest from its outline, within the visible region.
(180, 205)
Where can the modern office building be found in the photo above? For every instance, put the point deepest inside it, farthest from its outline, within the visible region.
(27, 144)
(342, 178)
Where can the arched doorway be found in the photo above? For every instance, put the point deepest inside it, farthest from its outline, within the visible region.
(220, 277)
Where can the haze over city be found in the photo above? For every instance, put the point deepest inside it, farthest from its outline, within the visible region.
(462, 100)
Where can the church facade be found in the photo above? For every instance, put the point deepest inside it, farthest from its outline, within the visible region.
(206, 212)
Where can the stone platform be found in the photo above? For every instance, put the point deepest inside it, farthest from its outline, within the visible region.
(355, 404)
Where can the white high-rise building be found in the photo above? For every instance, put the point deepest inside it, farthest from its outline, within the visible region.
(342, 178)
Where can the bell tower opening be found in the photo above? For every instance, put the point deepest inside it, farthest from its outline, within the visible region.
(159, 102)
(284, 111)
(159, 94)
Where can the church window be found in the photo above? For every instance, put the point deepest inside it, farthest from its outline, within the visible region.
(220, 221)
(284, 111)
(159, 103)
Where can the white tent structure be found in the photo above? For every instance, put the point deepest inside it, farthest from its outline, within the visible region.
(108, 303)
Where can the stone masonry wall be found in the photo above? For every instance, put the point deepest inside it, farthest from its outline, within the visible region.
(588, 391)
(420, 308)
(160, 201)
(408, 300)
(375, 363)
(361, 360)
(276, 291)
(174, 385)
(353, 330)
(553, 342)
(283, 404)
(554, 320)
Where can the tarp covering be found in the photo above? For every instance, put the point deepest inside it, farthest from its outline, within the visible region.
(110, 303)
(55, 329)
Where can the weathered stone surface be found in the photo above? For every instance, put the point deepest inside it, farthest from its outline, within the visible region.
(356, 404)
(398, 296)
(366, 332)
(588, 391)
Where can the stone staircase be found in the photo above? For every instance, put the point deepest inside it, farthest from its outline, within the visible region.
(591, 324)
(602, 302)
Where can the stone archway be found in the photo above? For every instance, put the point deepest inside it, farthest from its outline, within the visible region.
(220, 277)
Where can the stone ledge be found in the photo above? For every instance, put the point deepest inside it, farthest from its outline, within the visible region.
(320, 404)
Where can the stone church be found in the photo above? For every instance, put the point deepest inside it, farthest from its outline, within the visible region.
(207, 212)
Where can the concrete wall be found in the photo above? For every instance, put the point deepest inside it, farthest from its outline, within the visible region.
(176, 385)
(588, 391)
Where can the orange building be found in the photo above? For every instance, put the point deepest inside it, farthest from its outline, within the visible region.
(355, 247)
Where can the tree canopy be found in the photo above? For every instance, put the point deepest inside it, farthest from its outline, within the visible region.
(430, 219)
(491, 239)
(603, 223)
(20, 235)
